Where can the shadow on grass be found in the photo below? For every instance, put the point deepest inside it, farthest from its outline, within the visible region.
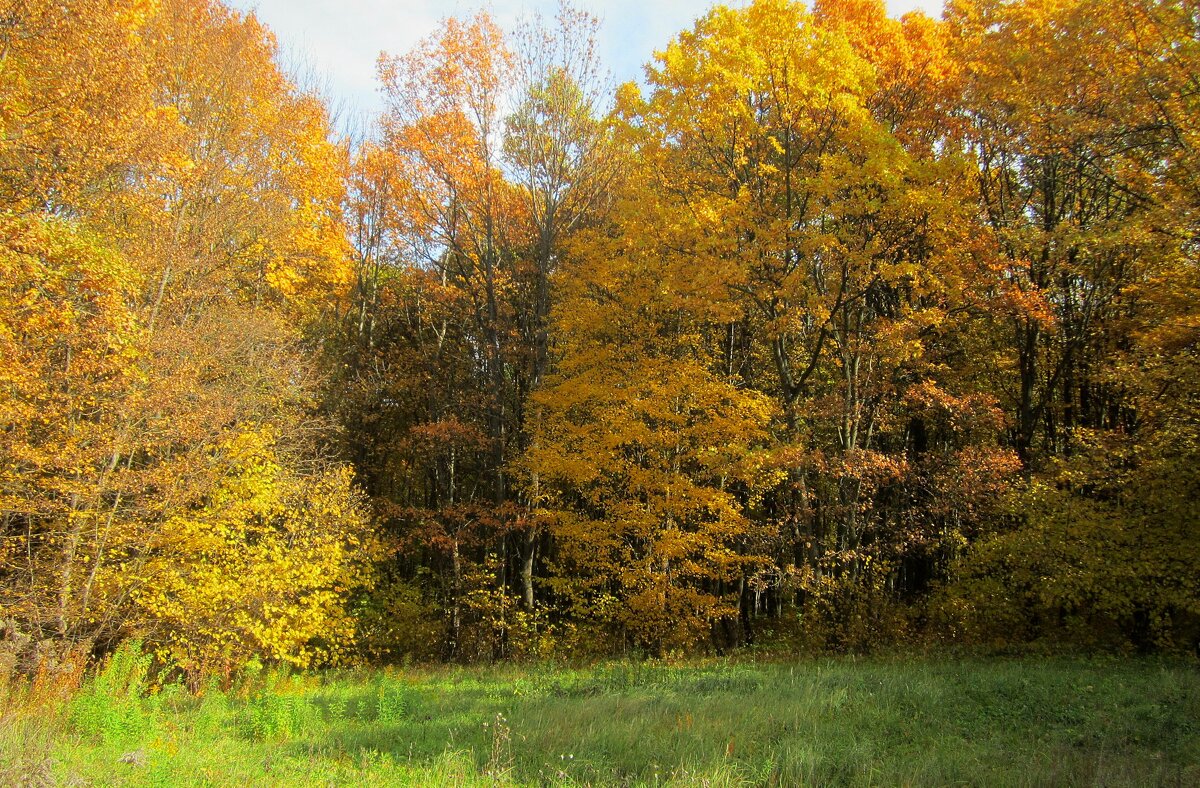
(839, 722)
(1128, 723)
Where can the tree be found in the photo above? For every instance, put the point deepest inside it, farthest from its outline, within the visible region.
(1064, 189)
(71, 344)
(79, 113)
(842, 258)
(471, 210)
(651, 461)
(161, 317)
(561, 153)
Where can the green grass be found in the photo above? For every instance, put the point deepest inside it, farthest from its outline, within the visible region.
(833, 722)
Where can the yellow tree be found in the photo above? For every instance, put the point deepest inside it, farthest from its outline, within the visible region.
(651, 461)
(1067, 189)
(180, 308)
(244, 250)
(918, 79)
(70, 344)
(260, 565)
(78, 113)
(1082, 116)
(561, 155)
(844, 256)
(250, 205)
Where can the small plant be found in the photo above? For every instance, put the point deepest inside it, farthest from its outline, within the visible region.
(212, 713)
(112, 704)
(271, 716)
(500, 760)
(390, 705)
(338, 707)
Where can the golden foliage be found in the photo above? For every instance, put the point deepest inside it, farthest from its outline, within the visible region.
(154, 368)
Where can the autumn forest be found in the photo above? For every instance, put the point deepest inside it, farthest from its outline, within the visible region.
(835, 333)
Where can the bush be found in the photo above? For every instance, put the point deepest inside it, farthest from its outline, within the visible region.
(110, 705)
(854, 615)
(395, 623)
(1078, 572)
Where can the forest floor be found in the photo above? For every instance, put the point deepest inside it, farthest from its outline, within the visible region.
(912, 721)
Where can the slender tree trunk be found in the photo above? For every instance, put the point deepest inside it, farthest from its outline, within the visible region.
(528, 552)
(1027, 363)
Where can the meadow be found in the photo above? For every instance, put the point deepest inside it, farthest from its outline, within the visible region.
(878, 721)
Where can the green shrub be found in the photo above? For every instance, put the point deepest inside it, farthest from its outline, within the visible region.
(279, 716)
(396, 623)
(111, 705)
(391, 705)
(1078, 572)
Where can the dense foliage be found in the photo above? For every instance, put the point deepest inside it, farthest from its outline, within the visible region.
(171, 237)
(838, 330)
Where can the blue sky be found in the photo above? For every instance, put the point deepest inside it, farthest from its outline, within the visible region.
(340, 39)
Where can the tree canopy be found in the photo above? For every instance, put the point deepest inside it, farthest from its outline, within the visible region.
(836, 331)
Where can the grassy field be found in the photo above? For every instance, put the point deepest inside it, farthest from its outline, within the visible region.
(833, 722)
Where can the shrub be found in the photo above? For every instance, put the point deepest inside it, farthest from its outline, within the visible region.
(1079, 572)
(111, 704)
